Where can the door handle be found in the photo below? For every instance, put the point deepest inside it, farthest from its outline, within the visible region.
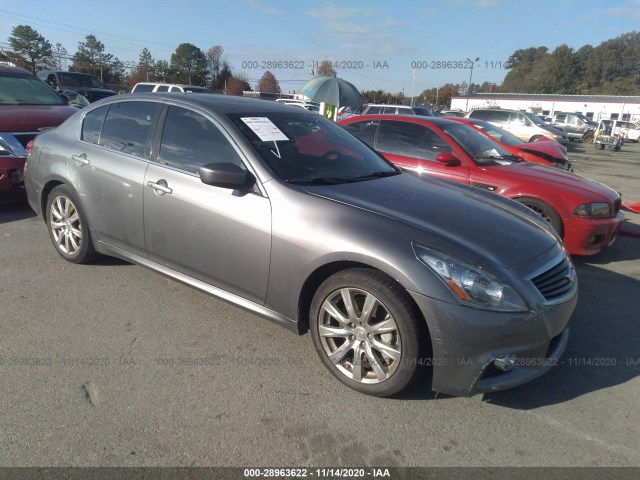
(161, 186)
(81, 159)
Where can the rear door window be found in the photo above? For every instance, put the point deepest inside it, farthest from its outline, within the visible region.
(127, 126)
(92, 125)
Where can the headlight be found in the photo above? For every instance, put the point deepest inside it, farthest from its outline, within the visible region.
(595, 210)
(470, 284)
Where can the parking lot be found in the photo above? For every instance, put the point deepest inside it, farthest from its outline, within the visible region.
(111, 364)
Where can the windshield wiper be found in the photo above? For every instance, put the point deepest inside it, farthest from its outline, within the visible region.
(319, 181)
(372, 175)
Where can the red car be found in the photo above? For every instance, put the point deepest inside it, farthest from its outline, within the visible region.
(585, 213)
(544, 151)
(26, 105)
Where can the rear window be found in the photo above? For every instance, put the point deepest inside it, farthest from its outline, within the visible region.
(125, 128)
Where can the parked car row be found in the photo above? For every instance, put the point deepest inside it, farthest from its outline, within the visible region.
(286, 214)
(27, 106)
(526, 126)
(586, 214)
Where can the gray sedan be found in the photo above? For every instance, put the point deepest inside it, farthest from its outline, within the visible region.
(285, 214)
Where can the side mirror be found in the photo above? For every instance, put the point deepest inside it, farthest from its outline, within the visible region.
(448, 159)
(225, 175)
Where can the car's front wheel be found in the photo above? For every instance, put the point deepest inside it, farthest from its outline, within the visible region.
(545, 210)
(68, 227)
(366, 331)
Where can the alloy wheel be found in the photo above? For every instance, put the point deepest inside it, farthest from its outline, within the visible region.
(359, 335)
(65, 224)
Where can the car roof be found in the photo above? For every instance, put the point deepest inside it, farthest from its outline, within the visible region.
(14, 70)
(438, 121)
(214, 102)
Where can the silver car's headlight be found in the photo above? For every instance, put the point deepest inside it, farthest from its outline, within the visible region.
(594, 210)
(470, 284)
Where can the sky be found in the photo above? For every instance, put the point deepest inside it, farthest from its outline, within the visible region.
(396, 46)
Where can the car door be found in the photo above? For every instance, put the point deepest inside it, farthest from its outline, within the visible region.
(108, 164)
(415, 146)
(217, 235)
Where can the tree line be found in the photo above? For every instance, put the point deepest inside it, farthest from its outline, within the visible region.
(188, 64)
(611, 68)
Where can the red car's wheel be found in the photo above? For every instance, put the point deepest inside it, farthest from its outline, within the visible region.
(545, 211)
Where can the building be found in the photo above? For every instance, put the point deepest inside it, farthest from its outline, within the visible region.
(596, 107)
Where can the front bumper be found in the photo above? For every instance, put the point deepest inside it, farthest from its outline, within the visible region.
(587, 236)
(466, 341)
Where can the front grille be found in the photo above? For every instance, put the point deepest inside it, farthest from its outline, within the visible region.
(556, 282)
(25, 138)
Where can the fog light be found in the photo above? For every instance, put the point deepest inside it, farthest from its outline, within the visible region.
(505, 363)
(17, 176)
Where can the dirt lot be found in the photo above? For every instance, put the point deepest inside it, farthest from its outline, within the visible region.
(99, 368)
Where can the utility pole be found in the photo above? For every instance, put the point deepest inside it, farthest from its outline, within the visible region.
(473, 62)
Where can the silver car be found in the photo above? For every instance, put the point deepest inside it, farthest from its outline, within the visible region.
(287, 215)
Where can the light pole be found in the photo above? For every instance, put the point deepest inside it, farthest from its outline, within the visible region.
(472, 62)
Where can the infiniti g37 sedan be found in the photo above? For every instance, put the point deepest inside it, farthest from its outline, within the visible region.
(289, 216)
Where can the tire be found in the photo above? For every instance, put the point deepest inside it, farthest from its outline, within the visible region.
(395, 342)
(68, 227)
(587, 137)
(534, 138)
(545, 210)
(600, 146)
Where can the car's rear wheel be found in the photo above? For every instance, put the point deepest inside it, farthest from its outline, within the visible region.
(587, 137)
(534, 138)
(545, 210)
(366, 331)
(68, 227)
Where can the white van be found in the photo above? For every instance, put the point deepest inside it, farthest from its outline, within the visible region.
(526, 126)
(167, 87)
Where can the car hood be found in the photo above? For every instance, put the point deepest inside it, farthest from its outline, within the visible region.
(462, 220)
(548, 147)
(101, 91)
(30, 118)
(544, 176)
(556, 130)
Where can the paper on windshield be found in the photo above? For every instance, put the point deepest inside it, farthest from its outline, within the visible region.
(265, 129)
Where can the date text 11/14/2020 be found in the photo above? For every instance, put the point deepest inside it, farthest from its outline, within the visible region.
(301, 64)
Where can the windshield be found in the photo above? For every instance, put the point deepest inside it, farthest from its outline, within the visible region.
(79, 80)
(482, 150)
(534, 119)
(305, 148)
(26, 90)
(499, 134)
(425, 112)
